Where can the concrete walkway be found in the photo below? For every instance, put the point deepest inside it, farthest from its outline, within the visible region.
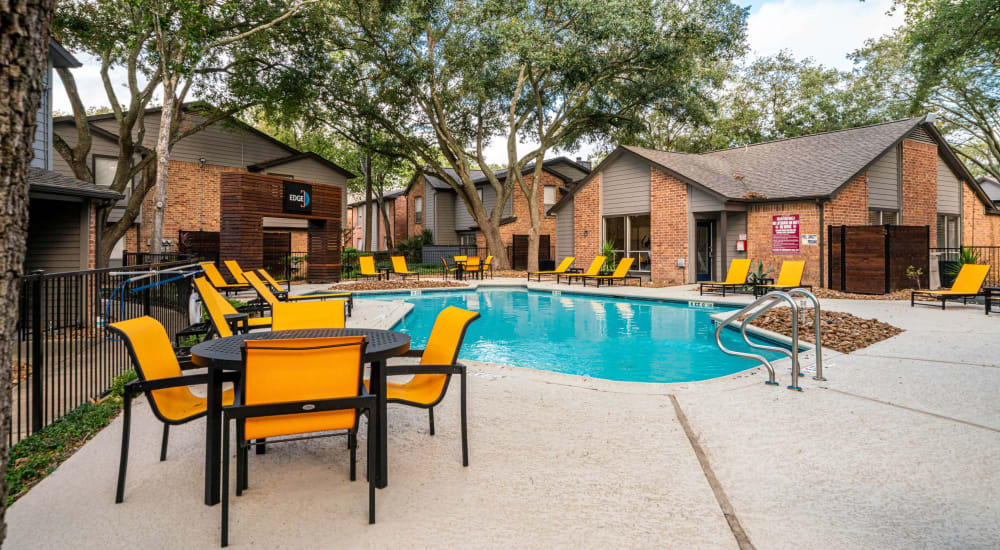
(898, 449)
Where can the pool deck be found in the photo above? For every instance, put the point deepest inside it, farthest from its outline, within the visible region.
(899, 448)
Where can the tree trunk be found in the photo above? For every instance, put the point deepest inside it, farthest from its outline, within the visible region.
(535, 231)
(111, 234)
(24, 45)
(387, 238)
(366, 169)
(162, 165)
(491, 231)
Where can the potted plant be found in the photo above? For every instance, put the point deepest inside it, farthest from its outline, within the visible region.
(610, 256)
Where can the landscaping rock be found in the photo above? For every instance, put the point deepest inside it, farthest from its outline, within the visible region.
(841, 331)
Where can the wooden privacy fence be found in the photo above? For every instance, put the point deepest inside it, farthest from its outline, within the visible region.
(872, 259)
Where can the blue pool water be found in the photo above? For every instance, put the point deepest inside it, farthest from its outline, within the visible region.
(611, 338)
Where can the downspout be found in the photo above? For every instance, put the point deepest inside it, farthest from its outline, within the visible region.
(822, 245)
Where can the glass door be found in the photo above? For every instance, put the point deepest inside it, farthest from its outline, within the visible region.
(703, 250)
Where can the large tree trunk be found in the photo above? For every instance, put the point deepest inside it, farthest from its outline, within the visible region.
(162, 165)
(535, 231)
(25, 27)
(387, 237)
(490, 229)
(366, 169)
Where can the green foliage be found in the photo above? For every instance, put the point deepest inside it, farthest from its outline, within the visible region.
(39, 454)
(914, 274)
(610, 255)
(758, 272)
(416, 242)
(967, 255)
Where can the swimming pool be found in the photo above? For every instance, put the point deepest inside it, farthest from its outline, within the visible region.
(610, 338)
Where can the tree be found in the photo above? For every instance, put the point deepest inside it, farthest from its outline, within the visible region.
(448, 77)
(965, 95)
(262, 67)
(24, 45)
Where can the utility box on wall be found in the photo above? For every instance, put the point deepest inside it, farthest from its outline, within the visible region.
(873, 259)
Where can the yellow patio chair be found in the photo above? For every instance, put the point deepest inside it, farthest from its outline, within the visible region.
(275, 283)
(161, 378)
(438, 361)
(219, 282)
(560, 269)
(620, 274)
(488, 266)
(271, 299)
(739, 269)
(399, 268)
(367, 265)
(789, 277)
(237, 272)
(472, 266)
(447, 269)
(967, 284)
(594, 269)
(307, 315)
(224, 317)
(282, 378)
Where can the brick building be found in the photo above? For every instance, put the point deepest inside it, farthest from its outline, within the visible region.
(433, 205)
(684, 216)
(354, 226)
(196, 165)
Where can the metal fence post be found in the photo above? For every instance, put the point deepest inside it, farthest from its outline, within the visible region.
(37, 359)
(145, 301)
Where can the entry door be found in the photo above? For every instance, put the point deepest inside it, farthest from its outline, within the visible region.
(703, 250)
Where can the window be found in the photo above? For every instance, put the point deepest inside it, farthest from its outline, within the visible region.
(614, 231)
(882, 217)
(948, 231)
(481, 195)
(104, 170)
(467, 239)
(418, 210)
(550, 196)
(630, 237)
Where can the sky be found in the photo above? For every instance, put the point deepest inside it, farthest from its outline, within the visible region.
(826, 30)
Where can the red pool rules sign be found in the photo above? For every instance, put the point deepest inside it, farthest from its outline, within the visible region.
(785, 234)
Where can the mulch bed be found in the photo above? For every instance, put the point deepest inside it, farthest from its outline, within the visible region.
(903, 294)
(396, 285)
(841, 331)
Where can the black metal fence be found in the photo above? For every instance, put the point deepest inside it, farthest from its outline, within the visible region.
(63, 356)
(517, 256)
(949, 261)
(142, 258)
(291, 266)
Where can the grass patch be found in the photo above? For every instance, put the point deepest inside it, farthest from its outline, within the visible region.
(39, 454)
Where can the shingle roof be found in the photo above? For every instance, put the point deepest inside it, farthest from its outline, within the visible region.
(816, 165)
(479, 177)
(51, 182)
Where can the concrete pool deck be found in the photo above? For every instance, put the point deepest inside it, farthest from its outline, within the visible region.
(898, 449)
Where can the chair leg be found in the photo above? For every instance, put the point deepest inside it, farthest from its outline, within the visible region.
(352, 443)
(225, 480)
(163, 444)
(465, 439)
(123, 464)
(261, 448)
(430, 411)
(242, 458)
(372, 419)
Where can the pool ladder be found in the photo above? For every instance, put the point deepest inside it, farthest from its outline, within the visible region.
(758, 307)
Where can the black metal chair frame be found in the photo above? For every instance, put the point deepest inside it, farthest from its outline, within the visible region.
(943, 297)
(611, 280)
(363, 403)
(713, 288)
(445, 270)
(141, 385)
(261, 306)
(759, 290)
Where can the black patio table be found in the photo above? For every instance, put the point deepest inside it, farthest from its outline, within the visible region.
(225, 354)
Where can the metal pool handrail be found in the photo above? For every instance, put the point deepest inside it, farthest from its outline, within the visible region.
(766, 302)
(816, 326)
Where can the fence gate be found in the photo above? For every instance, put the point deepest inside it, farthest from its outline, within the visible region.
(873, 259)
(277, 253)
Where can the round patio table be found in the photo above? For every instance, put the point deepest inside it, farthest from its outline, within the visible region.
(226, 354)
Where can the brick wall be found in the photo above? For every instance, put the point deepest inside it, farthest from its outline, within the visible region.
(192, 202)
(522, 226)
(412, 227)
(668, 204)
(978, 227)
(759, 218)
(399, 223)
(920, 185)
(587, 223)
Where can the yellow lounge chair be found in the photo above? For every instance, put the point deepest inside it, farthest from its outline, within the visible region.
(367, 265)
(735, 279)
(161, 378)
(308, 315)
(789, 277)
(269, 297)
(275, 283)
(224, 317)
(399, 268)
(967, 285)
(620, 274)
(563, 266)
(236, 271)
(594, 269)
(488, 266)
(218, 281)
(438, 361)
(282, 378)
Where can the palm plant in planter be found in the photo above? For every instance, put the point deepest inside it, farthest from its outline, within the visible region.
(950, 269)
(610, 256)
(758, 274)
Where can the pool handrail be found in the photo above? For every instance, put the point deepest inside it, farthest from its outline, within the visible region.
(817, 326)
(765, 303)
